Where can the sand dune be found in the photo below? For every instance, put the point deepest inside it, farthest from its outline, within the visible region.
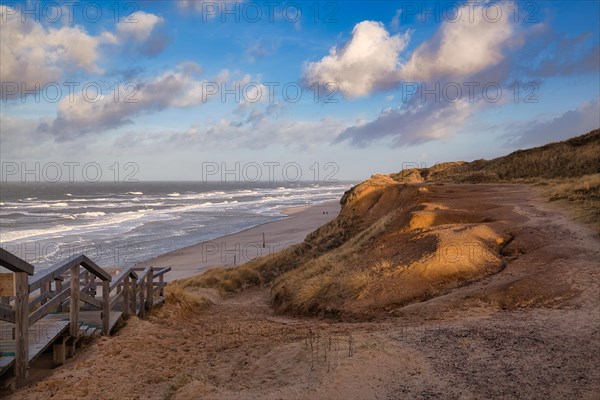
(526, 330)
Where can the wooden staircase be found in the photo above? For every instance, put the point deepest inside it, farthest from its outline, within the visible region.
(67, 305)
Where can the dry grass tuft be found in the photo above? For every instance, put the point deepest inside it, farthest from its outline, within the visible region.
(581, 196)
(225, 280)
(182, 300)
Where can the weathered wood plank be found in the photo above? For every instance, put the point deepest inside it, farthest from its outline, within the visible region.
(149, 291)
(121, 277)
(161, 272)
(142, 294)
(59, 352)
(49, 306)
(53, 273)
(133, 288)
(95, 269)
(161, 284)
(21, 325)
(105, 307)
(58, 269)
(58, 288)
(74, 307)
(14, 263)
(86, 298)
(126, 294)
(40, 298)
(115, 299)
(159, 288)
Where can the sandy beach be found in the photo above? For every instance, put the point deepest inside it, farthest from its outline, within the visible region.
(243, 246)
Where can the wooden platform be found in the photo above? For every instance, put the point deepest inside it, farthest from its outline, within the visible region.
(47, 330)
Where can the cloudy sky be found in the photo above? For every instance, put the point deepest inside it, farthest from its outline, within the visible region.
(173, 86)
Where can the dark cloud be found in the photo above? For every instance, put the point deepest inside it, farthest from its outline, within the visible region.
(410, 125)
(536, 132)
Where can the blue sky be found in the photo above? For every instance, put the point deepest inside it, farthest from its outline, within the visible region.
(406, 78)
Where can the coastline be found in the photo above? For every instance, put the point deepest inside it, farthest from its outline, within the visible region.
(240, 247)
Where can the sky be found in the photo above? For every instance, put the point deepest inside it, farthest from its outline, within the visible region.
(271, 90)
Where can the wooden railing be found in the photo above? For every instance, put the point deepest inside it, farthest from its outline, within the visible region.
(20, 314)
(68, 284)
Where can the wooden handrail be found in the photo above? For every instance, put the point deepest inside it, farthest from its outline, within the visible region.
(52, 273)
(72, 280)
(49, 306)
(57, 270)
(14, 263)
(119, 278)
(144, 274)
(162, 271)
(94, 268)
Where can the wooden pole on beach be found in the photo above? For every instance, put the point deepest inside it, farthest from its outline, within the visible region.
(264, 242)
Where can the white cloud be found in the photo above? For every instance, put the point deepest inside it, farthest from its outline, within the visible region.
(471, 48)
(138, 26)
(32, 53)
(177, 88)
(369, 61)
(462, 48)
(140, 33)
(372, 59)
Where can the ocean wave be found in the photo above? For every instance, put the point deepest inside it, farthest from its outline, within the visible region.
(92, 214)
(115, 220)
(135, 193)
(174, 194)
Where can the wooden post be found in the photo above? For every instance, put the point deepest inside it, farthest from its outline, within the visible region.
(21, 325)
(126, 299)
(74, 314)
(83, 279)
(45, 289)
(58, 288)
(150, 290)
(142, 302)
(59, 351)
(105, 307)
(161, 280)
(133, 296)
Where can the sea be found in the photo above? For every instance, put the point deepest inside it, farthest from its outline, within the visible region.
(120, 224)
